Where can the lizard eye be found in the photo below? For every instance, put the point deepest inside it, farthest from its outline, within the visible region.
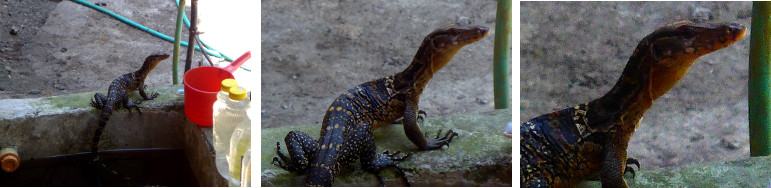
(686, 31)
(454, 32)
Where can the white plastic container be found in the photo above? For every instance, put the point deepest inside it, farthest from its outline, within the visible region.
(240, 140)
(223, 127)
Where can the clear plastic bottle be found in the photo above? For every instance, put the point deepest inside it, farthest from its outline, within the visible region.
(223, 128)
(240, 140)
(246, 169)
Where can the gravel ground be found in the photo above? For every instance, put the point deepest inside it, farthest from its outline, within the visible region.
(59, 47)
(312, 51)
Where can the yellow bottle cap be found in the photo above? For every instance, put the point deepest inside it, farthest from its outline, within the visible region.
(237, 93)
(227, 84)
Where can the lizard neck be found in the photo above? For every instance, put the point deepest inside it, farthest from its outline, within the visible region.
(629, 99)
(147, 66)
(426, 62)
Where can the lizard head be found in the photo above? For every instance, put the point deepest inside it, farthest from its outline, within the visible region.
(663, 57)
(437, 50)
(441, 45)
(685, 41)
(153, 60)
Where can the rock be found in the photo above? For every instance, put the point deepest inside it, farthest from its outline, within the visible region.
(14, 30)
(725, 143)
(35, 92)
(702, 13)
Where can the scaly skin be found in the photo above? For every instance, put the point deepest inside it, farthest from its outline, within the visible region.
(118, 95)
(589, 141)
(346, 132)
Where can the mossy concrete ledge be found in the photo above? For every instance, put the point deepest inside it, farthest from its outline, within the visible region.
(750, 172)
(479, 156)
(65, 124)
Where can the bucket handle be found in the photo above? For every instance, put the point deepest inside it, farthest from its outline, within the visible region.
(238, 62)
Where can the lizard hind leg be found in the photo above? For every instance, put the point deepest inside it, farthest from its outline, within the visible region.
(301, 148)
(386, 160)
(129, 104)
(98, 101)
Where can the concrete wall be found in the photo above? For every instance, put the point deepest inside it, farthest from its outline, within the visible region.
(479, 156)
(66, 124)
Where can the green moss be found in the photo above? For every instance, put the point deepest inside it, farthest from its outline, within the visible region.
(167, 100)
(751, 172)
(79, 100)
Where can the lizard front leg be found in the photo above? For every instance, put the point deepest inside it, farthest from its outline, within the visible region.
(413, 132)
(613, 165)
(142, 87)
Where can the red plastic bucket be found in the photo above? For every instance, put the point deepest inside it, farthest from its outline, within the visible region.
(201, 87)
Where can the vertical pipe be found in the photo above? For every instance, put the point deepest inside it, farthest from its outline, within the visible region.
(177, 40)
(759, 98)
(502, 56)
(192, 34)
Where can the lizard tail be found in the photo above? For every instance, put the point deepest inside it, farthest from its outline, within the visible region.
(104, 117)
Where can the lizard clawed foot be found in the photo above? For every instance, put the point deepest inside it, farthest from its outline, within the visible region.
(387, 159)
(283, 161)
(437, 142)
(98, 101)
(152, 96)
(401, 172)
(279, 160)
(133, 105)
(394, 156)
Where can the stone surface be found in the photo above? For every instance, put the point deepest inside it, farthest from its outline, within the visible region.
(480, 156)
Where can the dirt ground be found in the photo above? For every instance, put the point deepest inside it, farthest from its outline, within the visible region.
(312, 51)
(61, 47)
(574, 52)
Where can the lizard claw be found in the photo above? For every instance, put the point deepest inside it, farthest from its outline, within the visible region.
(395, 156)
(630, 170)
(153, 96)
(135, 107)
(423, 115)
(629, 163)
(633, 161)
(437, 142)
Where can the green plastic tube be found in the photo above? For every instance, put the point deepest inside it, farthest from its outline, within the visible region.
(209, 51)
(502, 56)
(177, 40)
(758, 97)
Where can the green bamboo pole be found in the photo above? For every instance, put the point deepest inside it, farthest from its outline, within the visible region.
(177, 40)
(502, 56)
(759, 98)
